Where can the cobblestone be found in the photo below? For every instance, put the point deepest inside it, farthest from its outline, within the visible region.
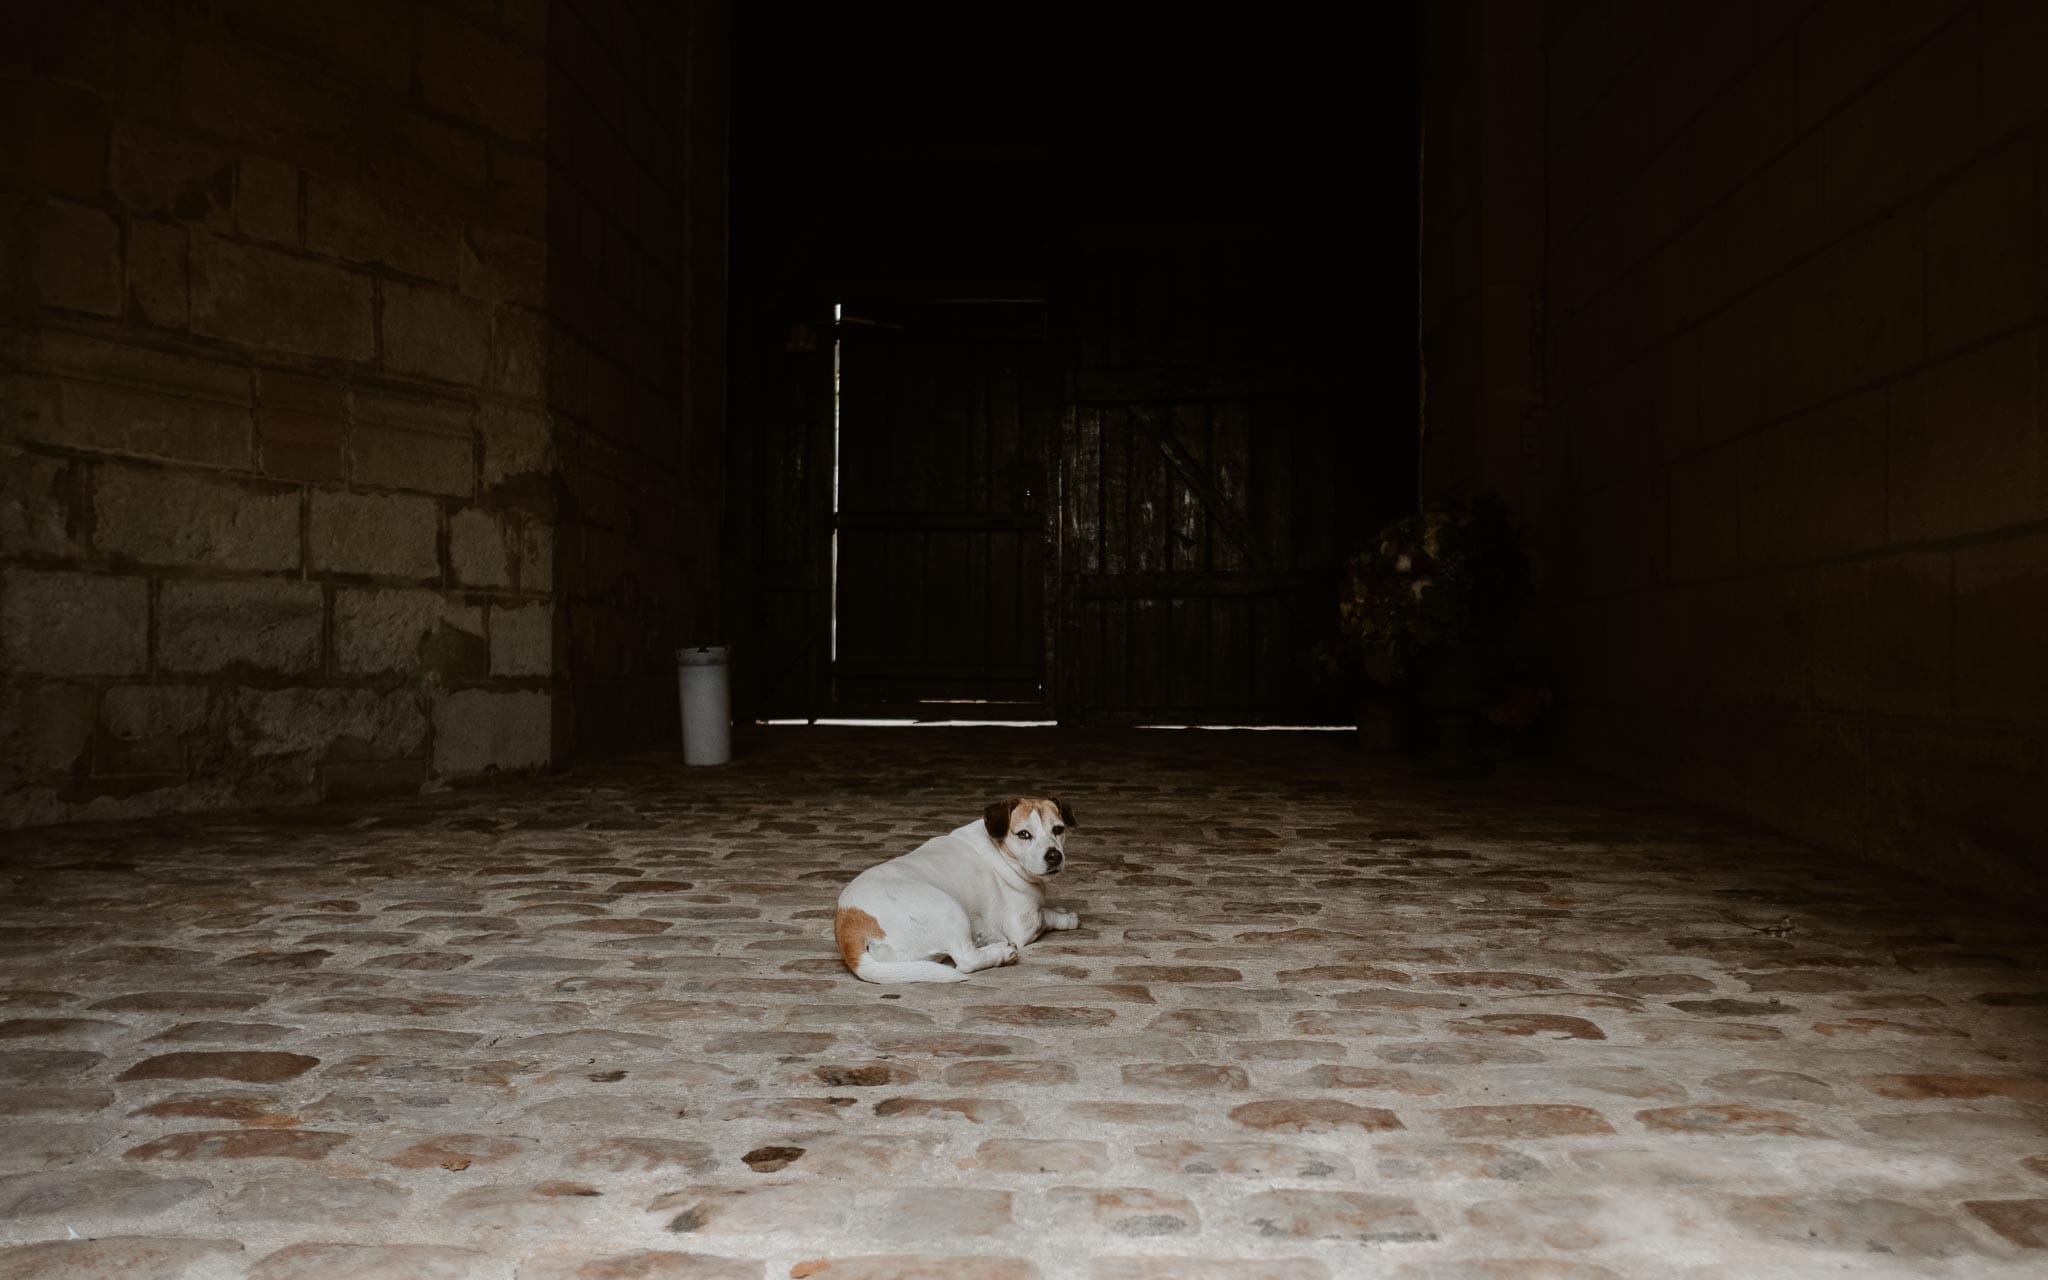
(1320, 1020)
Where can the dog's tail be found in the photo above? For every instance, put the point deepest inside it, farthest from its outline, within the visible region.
(854, 929)
(869, 969)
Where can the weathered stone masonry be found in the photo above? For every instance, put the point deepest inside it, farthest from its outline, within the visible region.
(301, 380)
(276, 515)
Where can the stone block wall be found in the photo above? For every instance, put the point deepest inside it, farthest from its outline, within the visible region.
(277, 505)
(1795, 304)
(618, 223)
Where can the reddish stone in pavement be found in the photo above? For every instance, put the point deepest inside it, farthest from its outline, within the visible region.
(1207, 1268)
(86, 1029)
(1808, 981)
(1960, 1085)
(1729, 1118)
(391, 1006)
(1036, 1015)
(771, 1159)
(1412, 1084)
(1695, 1030)
(1885, 1026)
(1343, 973)
(1506, 1269)
(954, 1044)
(633, 927)
(1656, 984)
(222, 1033)
(1727, 1008)
(1138, 1113)
(1523, 1120)
(1313, 1115)
(973, 1110)
(1498, 981)
(1206, 1022)
(646, 1264)
(46, 1064)
(1009, 1071)
(278, 960)
(783, 1111)
(1463, 1053)
(1555, 1026)
(1176, 973)
(691, 1011)
(126, 1257)
(253, 1068)
(1626, 1082)
(1184, 1076)
(1790, 1086)
(241, 1144)
(863, 1075)
(914, 1266)
(2024, 1222)
(458, 1151)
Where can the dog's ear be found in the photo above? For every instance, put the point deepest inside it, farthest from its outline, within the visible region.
(1066, 810)
(997, 819)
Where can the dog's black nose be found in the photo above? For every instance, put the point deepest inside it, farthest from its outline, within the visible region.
(1053, 858)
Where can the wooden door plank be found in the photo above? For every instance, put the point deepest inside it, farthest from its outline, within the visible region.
(1083, 506)
(1147, 420)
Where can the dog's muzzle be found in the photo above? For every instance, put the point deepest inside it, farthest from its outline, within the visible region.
(1053, 859)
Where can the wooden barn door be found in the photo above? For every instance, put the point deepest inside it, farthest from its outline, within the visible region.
(1205, 513)
(942, 511)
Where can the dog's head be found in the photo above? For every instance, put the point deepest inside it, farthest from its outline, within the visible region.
(1031, 831)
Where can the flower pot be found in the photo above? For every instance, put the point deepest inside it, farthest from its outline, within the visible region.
(1450, 685)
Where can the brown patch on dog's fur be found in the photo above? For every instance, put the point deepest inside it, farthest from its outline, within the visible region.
(996, 819)
(855, 929)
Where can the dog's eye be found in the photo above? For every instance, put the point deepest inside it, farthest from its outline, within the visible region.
(1058, 830)
(1023, 835)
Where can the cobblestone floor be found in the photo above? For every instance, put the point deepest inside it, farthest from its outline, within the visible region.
(1320, 1020)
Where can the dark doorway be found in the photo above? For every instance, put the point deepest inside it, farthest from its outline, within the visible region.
(941, 511)
(1216, 212)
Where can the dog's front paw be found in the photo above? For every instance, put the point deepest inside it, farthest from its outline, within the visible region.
(1055, 919)
(1006, 952)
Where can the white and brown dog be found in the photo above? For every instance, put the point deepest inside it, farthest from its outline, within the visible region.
(974, 896)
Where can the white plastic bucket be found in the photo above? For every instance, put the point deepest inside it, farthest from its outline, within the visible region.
(707, 704)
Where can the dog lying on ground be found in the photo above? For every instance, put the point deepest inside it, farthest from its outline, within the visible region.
(974, 896)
